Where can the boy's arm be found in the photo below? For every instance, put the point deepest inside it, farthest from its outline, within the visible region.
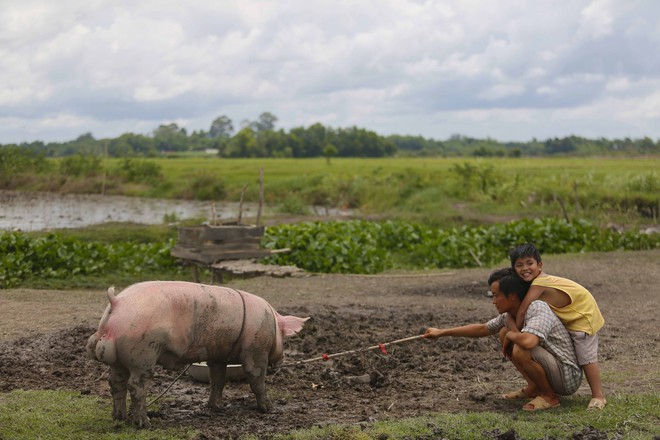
(533, 294)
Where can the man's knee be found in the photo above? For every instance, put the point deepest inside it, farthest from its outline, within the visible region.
(519, 354)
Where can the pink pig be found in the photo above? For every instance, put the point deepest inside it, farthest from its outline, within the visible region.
(174, 323)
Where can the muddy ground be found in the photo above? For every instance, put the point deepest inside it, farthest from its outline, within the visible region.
(43, 334)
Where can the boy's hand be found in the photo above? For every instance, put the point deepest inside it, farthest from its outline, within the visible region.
(511, 324)
(520, 319)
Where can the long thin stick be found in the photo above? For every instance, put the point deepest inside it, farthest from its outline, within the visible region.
(324, 357)
(358, 350)
(261, 194)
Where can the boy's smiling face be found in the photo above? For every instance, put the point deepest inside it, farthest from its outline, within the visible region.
(528, 268)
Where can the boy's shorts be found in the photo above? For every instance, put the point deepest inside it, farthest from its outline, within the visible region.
(586, 347)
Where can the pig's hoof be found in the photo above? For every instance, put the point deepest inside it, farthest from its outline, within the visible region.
(216, 408)
(119, 415)
(265, 407)
(141, 422)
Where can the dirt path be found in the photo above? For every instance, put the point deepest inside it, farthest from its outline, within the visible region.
(47, 330)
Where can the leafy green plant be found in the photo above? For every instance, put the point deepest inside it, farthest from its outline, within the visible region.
(206, 186)
(80, 165)
(57, 257)
(356, 246)
(140, 171)
(370, 247)
(334, 247)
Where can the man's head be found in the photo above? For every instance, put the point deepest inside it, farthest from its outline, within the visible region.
(498, 274)
(513, 285)
(526, 261)
(507, 288)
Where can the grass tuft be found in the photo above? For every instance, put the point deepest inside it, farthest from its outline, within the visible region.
(68, 415)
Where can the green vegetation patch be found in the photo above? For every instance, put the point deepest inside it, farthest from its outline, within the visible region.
(371, 247)
(68, 415)
(634, 417)
(357, 246)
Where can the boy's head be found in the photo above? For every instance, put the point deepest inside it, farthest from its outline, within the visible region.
(526, 261)
(522, 251)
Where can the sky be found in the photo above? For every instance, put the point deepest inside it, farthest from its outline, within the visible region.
(511, 70)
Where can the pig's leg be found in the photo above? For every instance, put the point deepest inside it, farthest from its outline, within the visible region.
(117, 380)
(218, 376)
(255, 367)
(138, 385)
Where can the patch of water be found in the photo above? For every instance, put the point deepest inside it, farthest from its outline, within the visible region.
(38, 211)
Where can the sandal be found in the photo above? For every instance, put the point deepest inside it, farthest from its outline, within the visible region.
(539, 403)
(596, 403)
(518, 394)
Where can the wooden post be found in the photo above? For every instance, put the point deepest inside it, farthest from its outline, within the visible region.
(261, 193)
(240, 205)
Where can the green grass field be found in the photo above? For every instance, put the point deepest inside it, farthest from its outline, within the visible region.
(438, 190)
(435, 191)
(68, 415)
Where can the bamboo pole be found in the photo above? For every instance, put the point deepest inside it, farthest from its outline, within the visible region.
(261, 193)
(358, 350)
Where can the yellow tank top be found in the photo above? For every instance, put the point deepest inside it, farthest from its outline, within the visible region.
(582, 314)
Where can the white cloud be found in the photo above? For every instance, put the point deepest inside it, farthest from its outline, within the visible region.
(422, 67)
(596, 20)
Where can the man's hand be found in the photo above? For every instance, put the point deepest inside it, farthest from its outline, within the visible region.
(507, 348)
(432, 333)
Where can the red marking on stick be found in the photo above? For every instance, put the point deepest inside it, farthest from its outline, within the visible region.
(325, 357)
(382, 348)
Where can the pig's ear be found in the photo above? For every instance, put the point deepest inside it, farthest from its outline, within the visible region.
(290, 325)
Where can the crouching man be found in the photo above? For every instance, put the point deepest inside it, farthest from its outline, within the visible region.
(542, 351)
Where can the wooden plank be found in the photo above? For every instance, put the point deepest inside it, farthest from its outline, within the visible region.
(190, 235)
(215, 233)
(246, 244)
(208, 256)
(247, 268)
(237, 254)
(247, 240)
(190, 254)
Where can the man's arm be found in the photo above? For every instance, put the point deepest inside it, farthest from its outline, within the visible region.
(523, 340)
(469, 331)
(533, 294)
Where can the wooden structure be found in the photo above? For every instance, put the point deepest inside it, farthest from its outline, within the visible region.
(204, 246)
(250, 268)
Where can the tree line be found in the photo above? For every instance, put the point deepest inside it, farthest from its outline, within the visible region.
(260, 138)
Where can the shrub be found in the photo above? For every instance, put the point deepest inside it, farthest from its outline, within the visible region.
(80, 166)
(140, 171)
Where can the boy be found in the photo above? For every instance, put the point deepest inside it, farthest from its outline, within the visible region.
(542, 352)
(575, 307)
